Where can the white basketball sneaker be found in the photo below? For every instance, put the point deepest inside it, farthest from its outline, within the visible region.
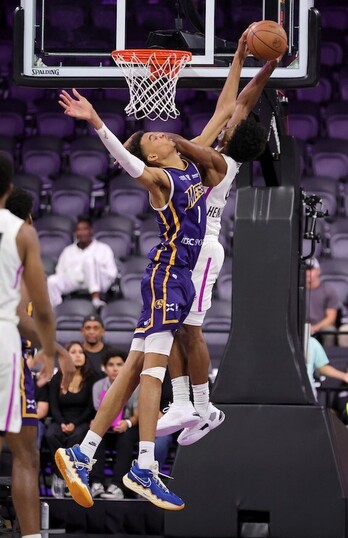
(206, 424)
(177, 417)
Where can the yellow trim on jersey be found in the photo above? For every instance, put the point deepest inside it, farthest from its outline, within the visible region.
(23, 395)
(174, 236)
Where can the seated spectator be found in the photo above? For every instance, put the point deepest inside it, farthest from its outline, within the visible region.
(71, 412)
(322, 305)
(96, 350)
(317, 359)
(123, 438)
(86, 264)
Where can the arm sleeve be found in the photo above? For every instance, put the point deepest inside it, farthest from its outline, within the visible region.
(131, 164)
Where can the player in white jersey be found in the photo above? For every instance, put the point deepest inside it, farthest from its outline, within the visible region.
(19, 257)
(200, 418)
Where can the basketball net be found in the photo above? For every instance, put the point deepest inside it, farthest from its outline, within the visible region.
(152, 76)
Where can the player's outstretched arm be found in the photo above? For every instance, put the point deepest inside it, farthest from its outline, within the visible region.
(35, 281)
(79, 107)
(227, 100)
(249, 96)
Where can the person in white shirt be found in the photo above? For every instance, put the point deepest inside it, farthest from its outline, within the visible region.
(86, 264)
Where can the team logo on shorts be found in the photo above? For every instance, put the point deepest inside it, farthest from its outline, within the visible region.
(159, 304)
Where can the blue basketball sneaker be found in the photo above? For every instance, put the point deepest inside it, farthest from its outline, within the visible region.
(75, 468)
(147, 483)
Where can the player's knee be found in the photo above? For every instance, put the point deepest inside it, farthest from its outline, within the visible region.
(158, 372)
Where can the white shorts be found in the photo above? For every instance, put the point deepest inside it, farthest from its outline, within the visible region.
(204, 276)
(10, 371)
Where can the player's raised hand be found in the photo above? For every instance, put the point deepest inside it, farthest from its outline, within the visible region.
(78, 107)
(46, 372)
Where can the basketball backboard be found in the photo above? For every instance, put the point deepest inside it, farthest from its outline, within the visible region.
(64, 44)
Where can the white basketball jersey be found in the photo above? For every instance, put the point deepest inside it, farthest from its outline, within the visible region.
(216, 197)
(10, 266)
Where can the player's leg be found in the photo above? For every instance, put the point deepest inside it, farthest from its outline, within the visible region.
(143, 476)
(75, 463)
(181, 413)
(25, 473)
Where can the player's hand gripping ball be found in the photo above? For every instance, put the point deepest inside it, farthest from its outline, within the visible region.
(267, 40)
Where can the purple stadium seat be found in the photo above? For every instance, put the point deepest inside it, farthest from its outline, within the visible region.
(330, 158)
(131, 274)
(41, 156)
(88, 157)
(338, 238)
(117, 232)
(334, 16)
(336, 120)
(303, 126)
(126, 197)
(51, 121)
(71, 313)
(319, 94)
(55, 233)
(71, 196)
(331, 54)
(148, 235)
(12, 117)
(345, 198)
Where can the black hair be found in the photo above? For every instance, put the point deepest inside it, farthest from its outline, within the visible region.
(114, 352)
(134, 146)
(248, 141)
(85, 218)
(6, 174)
(20, 203)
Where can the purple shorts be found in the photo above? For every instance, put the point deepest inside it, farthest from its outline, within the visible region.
(28, 402)
(168, 293)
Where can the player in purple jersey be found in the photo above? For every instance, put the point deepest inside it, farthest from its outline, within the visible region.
(176, 195)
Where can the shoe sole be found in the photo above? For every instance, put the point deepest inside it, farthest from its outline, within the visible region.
(79, 493)
(177, 427)
(186, 441)
(146, 493)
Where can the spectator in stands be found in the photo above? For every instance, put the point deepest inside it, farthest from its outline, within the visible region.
(322, 305)
(86, 264)
(123, 434)
(93, 344)
(71, 412)
(317, 359)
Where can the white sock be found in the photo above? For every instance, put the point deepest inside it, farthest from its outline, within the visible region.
(146, 454)
(31, 535)
(201, 398)
(181, 390)
(90, 444)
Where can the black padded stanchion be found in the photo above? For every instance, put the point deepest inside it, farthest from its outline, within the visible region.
(278, 465)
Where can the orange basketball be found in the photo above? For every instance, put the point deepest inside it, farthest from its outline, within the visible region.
(267, 40)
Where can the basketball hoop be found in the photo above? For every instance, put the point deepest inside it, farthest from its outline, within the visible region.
(151, 76)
